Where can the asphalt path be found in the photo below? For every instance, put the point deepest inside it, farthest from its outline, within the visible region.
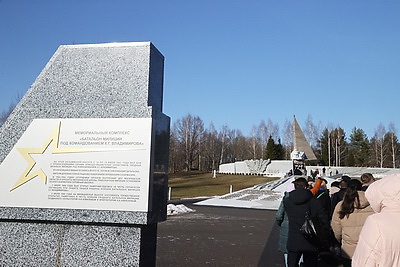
(219, 236)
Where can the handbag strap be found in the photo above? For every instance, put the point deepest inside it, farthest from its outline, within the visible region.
(307, 215)
(308, 212)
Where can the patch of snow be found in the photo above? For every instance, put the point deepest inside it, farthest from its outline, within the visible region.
(263, 196)
(270, 194)
(178, 209)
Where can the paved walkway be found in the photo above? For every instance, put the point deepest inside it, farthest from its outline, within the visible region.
(215, 236)
(219, 236)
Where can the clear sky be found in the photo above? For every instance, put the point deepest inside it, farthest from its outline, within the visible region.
(230, 62)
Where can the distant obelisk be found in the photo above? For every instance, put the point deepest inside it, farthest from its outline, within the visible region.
(300, 142)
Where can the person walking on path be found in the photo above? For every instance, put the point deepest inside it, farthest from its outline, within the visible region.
(282, 218)
(379, 242)
(348, 219)
(300, 201)
(283, 223)
(323, 195)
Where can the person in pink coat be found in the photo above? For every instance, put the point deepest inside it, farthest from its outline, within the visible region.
(379, 241)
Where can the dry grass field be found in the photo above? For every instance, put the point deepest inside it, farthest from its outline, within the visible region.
(199, 184)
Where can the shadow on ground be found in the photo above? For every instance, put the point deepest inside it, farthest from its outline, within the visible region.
(217, 236)
(220, 236)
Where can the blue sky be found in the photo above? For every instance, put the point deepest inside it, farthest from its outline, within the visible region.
(230, 62)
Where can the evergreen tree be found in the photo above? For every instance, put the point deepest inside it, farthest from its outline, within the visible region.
(274, 151)
(359, 149)
(323, 154)
(270, 152)
(350, 161)
(280, 150)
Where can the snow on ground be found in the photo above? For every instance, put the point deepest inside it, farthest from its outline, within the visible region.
(264, 196)
(252, 198)
(178, 209)
(269, 195)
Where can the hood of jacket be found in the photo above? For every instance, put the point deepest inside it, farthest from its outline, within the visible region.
(300, 196)
(385, 193)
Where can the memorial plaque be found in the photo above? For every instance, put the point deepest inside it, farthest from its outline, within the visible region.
(84, 160)
(100, 164)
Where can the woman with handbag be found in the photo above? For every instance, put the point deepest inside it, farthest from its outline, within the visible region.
(300, 202)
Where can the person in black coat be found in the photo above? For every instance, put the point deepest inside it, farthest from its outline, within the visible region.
(323, 196)
(296, 205)
(338, 196)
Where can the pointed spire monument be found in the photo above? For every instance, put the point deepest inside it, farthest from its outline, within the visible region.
(300, 142)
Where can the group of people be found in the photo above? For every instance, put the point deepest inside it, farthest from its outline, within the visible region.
(315, 173)
(356, 221)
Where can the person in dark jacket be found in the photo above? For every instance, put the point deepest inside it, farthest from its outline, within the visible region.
(323, 196)
(283, 223)
(338, 196)
(296, 205)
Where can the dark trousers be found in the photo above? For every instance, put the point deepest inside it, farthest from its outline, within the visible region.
(346, 262)
(310, 259)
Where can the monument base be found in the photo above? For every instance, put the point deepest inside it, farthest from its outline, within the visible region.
(55, 244)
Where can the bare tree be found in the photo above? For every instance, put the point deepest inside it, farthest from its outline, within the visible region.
(6, 113)
(330, 128)
(379, 137)
(310, 131)
(240, 148)
(394, 148)
(189, 130)
(262, 134)
(287, 139)
(223, 137)
(232, 149)
(253, 143)
(338, 144)
(272, 130)
(211, 147)
(175, 154)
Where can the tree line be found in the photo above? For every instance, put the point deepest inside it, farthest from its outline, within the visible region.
(194, 147)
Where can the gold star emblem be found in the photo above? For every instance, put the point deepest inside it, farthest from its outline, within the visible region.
(28, 175)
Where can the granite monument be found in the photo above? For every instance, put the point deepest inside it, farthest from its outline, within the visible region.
(84, 160)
